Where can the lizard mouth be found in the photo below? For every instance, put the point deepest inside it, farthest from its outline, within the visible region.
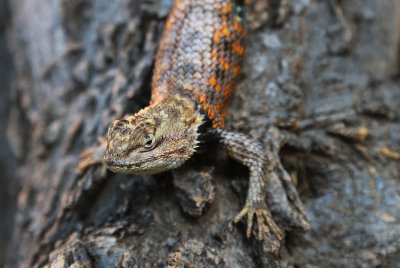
(139, 168)
(121, 164)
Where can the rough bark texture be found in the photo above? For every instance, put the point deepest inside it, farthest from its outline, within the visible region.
(323, 72)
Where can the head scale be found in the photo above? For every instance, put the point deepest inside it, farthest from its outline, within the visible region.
(157, 138)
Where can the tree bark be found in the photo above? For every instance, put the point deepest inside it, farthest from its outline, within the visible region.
(7, 161)
(322, 72)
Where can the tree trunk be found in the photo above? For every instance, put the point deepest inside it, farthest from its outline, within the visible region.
(323, 72)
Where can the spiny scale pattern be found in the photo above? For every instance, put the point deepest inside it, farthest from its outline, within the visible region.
(199, 55)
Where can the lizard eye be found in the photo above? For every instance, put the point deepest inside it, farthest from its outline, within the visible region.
(148, 141)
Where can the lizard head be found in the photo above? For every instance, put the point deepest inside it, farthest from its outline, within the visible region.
(157, 138)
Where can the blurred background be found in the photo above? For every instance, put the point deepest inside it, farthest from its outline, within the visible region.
(7, 161)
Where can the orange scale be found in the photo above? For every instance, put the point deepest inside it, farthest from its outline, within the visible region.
(212, 81)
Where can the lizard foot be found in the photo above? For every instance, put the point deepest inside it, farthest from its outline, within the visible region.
(92, 156)
(262, 215)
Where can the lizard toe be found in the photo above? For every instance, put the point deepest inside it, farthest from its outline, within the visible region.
(265, 223)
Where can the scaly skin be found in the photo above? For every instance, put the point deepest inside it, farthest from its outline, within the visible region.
(196, 72)
(199, 56)
(160, 137)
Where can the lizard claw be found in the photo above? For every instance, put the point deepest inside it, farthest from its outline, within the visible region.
(262, 215)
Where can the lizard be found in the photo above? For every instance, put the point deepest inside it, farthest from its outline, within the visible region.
(196, 71)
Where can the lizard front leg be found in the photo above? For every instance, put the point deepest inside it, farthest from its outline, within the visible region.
(93, 155)
(265, 169)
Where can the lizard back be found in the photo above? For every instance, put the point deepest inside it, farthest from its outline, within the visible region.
(199, 55)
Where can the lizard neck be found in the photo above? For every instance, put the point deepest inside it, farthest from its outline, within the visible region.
(178, 116)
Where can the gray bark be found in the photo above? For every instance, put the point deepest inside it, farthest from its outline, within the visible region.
(7, 161)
